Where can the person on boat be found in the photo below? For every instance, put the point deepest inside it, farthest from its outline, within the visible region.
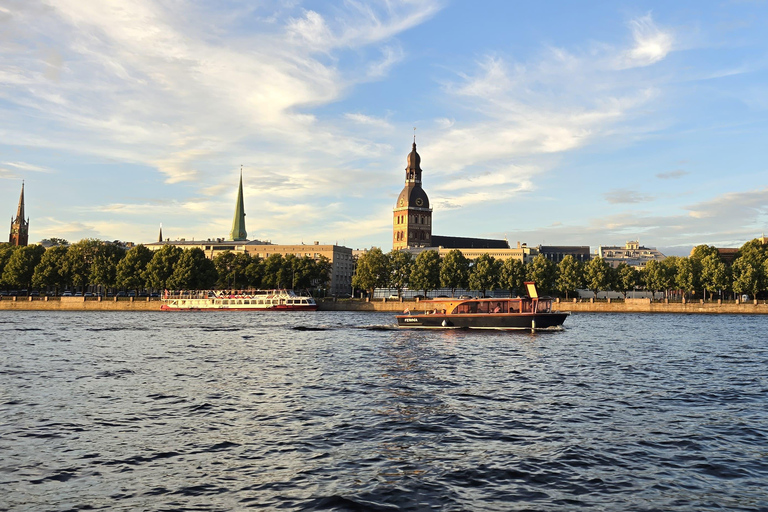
(497, 309)
(406, 311)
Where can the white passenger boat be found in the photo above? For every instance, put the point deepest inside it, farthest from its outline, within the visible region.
(250, 300)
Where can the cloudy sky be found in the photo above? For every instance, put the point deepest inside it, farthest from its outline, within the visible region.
(580, 123)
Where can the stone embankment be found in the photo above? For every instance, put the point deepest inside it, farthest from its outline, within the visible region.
(78, 304)
(576, 306)
(573, 305)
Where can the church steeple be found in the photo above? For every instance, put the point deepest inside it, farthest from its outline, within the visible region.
(238, 223)
(412, 221)
(160, 236)
(19, 227)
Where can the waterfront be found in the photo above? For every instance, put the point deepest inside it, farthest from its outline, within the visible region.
(334, 410)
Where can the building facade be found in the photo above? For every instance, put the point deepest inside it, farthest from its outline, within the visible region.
(556, 253)
(19, 235)
(633, 254)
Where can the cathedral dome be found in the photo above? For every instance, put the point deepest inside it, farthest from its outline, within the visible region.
(414, 160)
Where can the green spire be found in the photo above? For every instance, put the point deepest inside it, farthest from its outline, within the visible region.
(238, 224)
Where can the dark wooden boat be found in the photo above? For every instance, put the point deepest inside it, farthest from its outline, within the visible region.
(531, 312)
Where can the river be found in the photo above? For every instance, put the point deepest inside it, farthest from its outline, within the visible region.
(339, 411)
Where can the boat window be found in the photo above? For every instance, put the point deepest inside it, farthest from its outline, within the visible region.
(514, 307)
(304, 301)
(246, 302)
(483, 307)
(239, 301)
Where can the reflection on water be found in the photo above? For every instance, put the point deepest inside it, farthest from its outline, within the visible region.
(337, 411)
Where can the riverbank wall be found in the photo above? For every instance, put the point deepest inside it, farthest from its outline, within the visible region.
(574, 306)
(394, 306)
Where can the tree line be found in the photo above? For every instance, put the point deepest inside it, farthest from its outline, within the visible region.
(703, 272)
(94, 263)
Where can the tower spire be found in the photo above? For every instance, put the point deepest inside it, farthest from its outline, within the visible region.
(160, 236)
(238, 232)
(19, 226)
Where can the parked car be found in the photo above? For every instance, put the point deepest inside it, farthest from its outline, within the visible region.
(121, 293)
(393, 297)
(34, 293)
(66, 293)
(88, 294)
(132, 293)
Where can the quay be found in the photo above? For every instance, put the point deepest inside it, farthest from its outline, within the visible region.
(396, 306)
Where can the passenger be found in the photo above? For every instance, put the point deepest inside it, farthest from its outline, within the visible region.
(406, 311)
(497, 309)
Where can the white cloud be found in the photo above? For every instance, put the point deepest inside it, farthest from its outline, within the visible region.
(651, 43)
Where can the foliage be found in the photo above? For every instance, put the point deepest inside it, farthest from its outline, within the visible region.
(685, 276)
(273, 265)
(454, 271)
(485, 273)
(597, 275)
(702, 251)
(400, 267)
(626, 278)
(21, 265)
(714, 274)
(104, 266)
(80, 258)
(570, 275)
(160, 268)
(543, 272)
(193, 271)
(50, 270)
(231, 268)
(747, 276)
(130, 273)
(426, 271)
(372, 271)
(512, 275)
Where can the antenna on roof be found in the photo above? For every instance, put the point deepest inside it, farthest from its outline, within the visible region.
(414, 135)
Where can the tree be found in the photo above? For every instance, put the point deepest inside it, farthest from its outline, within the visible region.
(485, 273)
(754, 252)
(272, 268)
(714, 274)
(400, 267)
(254, 272)
(6, 250)
(104, 266)
(131, 269)
(231, 268)
(686, 275)
(454, 271)
(570, 275)
(542, 272)
(50, 270)
(627, 277)
(597, 275)
(747, 277)
(21, 266)
(193, 271)
(304, 272)
(80, 258)
(702, 251)
(512, 276)
(160, 268)
(426, 271)
(372, 271)
(657, 276)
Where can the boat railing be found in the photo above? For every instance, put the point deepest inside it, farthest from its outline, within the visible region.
(229, 294)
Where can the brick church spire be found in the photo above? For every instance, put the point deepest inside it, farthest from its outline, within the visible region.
(238, 223)
(19, 227)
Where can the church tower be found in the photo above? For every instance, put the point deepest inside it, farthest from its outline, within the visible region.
(238, 232)
(19, 227)
(412, 216)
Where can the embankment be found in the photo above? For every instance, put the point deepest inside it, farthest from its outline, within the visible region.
(583, 306)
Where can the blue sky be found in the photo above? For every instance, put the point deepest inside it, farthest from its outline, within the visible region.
(579, 123)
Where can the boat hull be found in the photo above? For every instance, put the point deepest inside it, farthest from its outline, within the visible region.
(165, 307)
(491, 321)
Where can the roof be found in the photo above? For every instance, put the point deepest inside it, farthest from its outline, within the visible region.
(458, 242)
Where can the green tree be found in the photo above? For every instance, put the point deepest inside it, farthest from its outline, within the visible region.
(702, 251)
(231, 268)
(254, 272)
(6, 250)
(273, 265)
(400, 266)
(657, 276)
(104, 266)
(686, 278)
(21, 266)
(542, 272)
(570, 275)
(597, 275)
(193, 271)
(454, 271)
(372, 271)
(160, 268)
(747, 277)
(131, 269)
(323, 270)
(304, 273)
(754, 252)
(627, 278)
(50, 270)
(80, 258)
(714, 274)
(426, 271)
(512, 275)
(485, 273)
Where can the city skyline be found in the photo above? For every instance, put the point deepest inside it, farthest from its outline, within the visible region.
(555, 124)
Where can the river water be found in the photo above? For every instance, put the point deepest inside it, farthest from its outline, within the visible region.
(338, 411)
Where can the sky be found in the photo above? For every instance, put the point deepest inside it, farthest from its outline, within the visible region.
(553, 122)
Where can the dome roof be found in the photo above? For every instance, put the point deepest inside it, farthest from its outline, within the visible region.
(414, 160)
(412, 197)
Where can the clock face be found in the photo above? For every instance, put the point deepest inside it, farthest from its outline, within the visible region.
(419, 202)
(401, 201)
